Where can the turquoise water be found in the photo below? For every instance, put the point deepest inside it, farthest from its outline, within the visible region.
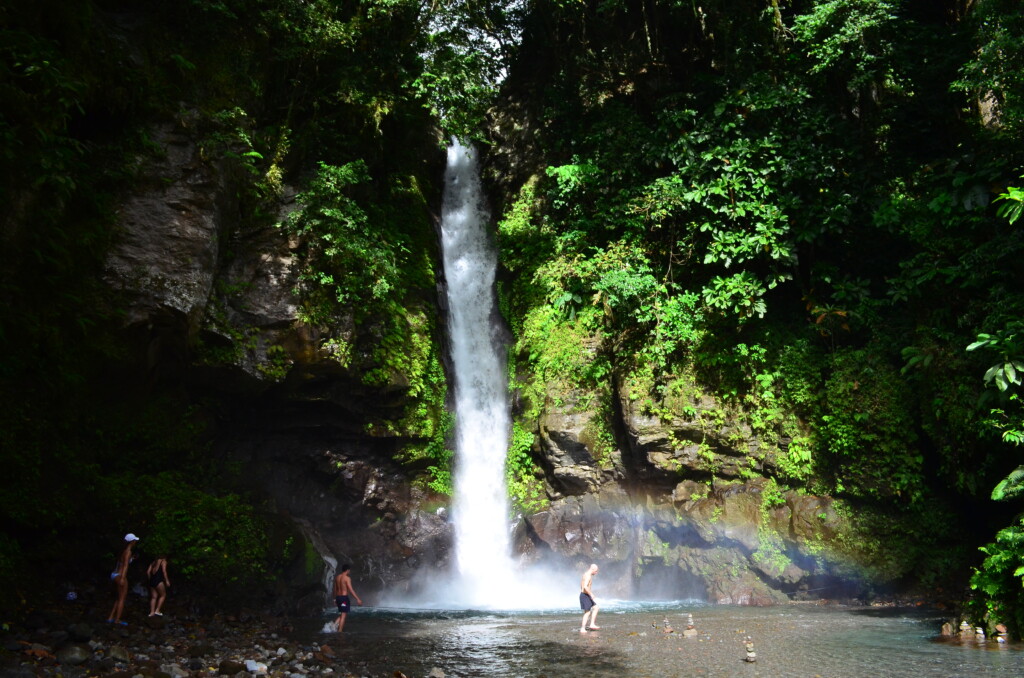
(797, 640)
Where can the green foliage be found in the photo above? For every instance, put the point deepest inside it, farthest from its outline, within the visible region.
(867, 430)
(853, 37)
(211, 538)
(522, 473)
(768, 225)
(883, 545)
(436, 453)
(995, 71)
(1010, 487)
(1006, 375)
(798, 461)
(347, 255)
(771, 495)
(1013, 204)
(998, 582)
(469, 45)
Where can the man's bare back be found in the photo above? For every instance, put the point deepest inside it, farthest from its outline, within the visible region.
(343, 584)
(342, 590)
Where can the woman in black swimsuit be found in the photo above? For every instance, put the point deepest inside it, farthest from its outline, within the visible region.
(156, 575)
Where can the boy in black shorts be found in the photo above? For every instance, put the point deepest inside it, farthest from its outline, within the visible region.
(342, 590)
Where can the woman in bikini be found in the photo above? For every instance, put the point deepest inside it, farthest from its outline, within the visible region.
(119, 577)
(156, 576)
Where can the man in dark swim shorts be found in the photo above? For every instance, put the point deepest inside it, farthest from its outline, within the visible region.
(342, 589)
(587, 600)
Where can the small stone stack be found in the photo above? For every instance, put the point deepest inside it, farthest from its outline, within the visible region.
(690, 631)
(751, 655)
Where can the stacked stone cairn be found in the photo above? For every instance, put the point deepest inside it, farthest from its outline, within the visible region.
(1001, 634)
(751, 655)
(690, 631)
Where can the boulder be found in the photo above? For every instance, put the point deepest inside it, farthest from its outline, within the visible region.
(229, 667)
(80, 632)
(119, 654)
(73, 655)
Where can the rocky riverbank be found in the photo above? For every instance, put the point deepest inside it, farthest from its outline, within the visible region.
(636, 639)
(62, 643)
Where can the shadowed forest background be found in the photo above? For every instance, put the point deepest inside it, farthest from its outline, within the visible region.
(784, 235)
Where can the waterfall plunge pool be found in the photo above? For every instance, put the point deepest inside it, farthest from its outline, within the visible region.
(798, 640)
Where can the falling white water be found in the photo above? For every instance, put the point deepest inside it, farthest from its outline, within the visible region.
(481, 512)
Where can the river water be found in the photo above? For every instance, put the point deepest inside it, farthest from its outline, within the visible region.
(790, 641)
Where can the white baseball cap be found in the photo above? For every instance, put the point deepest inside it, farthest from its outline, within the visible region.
(130, 537)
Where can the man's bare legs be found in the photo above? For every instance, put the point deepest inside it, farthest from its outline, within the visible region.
(340, 621)
(592, 615)
(587, 601)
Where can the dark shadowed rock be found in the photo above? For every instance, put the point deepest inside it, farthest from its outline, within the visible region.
(80, 632)
(119, 654)
(166, 256)
(230, 667)
(73, 655)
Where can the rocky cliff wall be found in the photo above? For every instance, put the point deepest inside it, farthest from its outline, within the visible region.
(211, 307)
(673, 496)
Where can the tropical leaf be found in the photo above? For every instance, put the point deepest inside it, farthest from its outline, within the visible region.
(1010, 487)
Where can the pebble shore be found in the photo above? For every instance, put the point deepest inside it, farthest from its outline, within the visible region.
(50, 643)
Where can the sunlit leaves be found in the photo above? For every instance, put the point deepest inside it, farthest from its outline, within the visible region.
(1011, 487)
(1013, 204)
(1010, 370)
(469, 47)
(851, 36)
(995, 74)
(741, 293)
(348, 253)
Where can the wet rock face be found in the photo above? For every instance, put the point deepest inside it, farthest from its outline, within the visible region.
(685, 502)
(166, 256)
(723, 545)
(692, 434)
(210, 302)
(352, 501)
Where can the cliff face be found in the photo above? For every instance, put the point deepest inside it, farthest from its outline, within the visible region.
(677, 502)
(684, 510)
(211, 306)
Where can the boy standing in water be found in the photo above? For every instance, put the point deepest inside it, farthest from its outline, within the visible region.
(342, 590)
(587, 600)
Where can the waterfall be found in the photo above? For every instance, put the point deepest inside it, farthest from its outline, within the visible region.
(482, 420)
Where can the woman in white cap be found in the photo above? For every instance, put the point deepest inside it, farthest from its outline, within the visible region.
(120, 579)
